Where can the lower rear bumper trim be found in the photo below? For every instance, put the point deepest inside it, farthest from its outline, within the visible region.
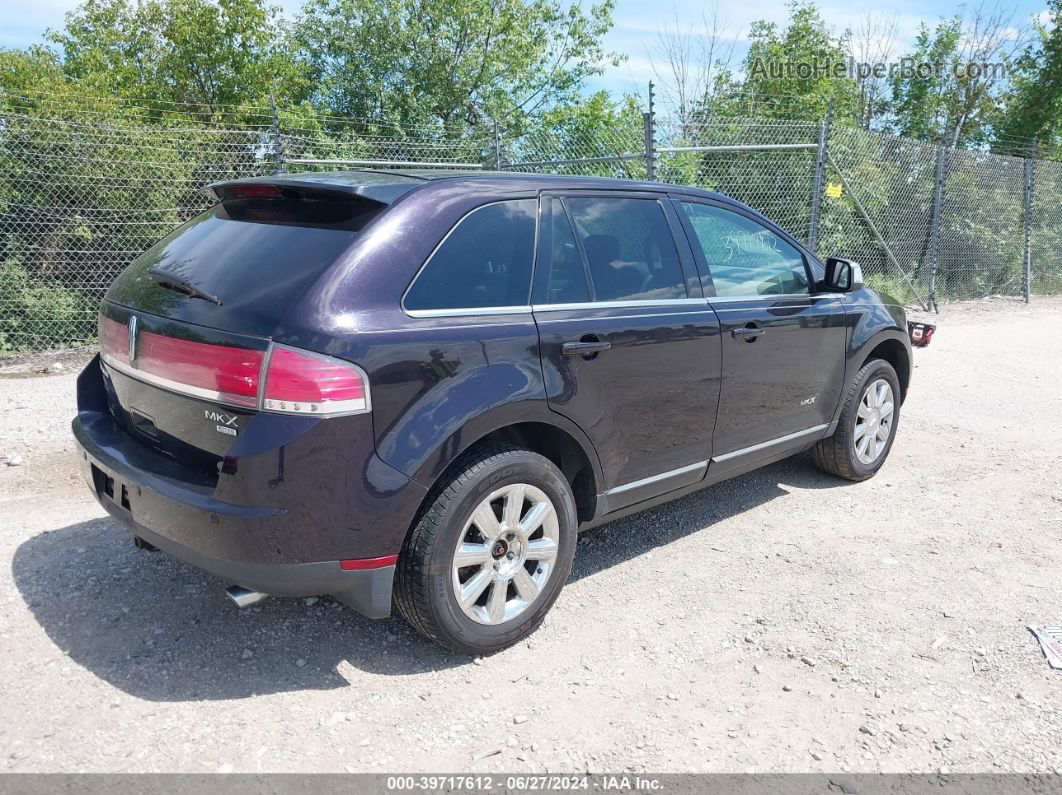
(366, 590)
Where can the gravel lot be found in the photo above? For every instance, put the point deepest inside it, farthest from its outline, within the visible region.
(783, 621)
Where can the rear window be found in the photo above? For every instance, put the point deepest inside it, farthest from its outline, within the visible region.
(485, 261)
(255, 255)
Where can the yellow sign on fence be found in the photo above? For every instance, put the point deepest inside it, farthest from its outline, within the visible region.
(833, 190)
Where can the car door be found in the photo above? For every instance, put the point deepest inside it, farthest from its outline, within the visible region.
(629, 346)
(783, 344)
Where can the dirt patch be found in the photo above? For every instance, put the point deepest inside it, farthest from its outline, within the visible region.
(782, 621)
(28, 365)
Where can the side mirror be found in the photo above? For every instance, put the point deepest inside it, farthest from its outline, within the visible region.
(842, 276)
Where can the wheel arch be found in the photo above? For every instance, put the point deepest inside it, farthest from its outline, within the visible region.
(546, 433)
(895, 352)
(560, 447)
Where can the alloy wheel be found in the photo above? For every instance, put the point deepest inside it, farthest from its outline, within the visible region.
(505, 553)
(874, 421)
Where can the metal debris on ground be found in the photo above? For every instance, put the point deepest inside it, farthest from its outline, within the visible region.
(1051, 642)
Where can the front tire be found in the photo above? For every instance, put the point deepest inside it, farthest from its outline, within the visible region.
(867, 425)
(490, 554)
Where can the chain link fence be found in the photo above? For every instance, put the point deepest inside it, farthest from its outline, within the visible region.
(770, 165)
(85, 189)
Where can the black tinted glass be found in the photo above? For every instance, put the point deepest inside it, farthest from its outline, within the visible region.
(256, 256)
(484, 262)
(566, 279)
(629, 249)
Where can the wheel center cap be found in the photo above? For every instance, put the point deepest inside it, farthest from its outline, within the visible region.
(874, 420)
(508, 555)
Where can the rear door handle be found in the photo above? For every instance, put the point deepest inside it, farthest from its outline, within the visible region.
(749, 332)
(585, 348)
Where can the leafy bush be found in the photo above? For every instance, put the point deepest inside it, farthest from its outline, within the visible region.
(36, 313)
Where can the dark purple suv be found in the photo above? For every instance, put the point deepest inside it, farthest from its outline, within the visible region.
(420, 386)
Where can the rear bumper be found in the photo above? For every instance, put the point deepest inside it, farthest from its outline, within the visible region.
(300, 506)
(368, 592)
(130, 493)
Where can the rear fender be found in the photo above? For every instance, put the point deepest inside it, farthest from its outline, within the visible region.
(480, 401)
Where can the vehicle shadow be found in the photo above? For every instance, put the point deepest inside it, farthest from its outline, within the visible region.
(623, 539)
(162, 630)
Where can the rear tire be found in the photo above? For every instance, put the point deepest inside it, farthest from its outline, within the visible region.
(867, 426)
(490, 554)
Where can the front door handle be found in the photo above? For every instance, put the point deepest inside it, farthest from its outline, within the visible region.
(749, 332)
(585, 347)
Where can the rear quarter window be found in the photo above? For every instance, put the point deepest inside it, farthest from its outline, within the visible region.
(483, 263)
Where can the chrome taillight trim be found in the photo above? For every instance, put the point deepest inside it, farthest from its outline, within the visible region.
(236, 401)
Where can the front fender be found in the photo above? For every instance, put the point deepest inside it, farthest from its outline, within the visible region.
(872, 320)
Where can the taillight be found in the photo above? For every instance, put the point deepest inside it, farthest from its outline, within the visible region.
(114, 339)
(298, 382)
(216, 372)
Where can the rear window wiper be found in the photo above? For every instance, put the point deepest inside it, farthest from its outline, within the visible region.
(172, 282)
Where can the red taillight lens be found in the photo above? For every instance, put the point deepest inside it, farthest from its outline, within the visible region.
(305, 383)
(114, 339)
(217, 372)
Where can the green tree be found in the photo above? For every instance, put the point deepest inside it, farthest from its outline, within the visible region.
(788, 70)
(35, 70)
(922, 105)
(446, 61)
(1034, 108)
(212, 53)
(953, 91)
(596, 127)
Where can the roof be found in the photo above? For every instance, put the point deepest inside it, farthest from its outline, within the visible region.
(387, 186)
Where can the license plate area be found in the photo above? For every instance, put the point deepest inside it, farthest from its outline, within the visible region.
(109, 488)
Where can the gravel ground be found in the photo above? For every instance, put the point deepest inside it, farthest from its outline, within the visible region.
(783, 621)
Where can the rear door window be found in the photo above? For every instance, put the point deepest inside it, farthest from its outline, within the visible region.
(484, 263)
(629, 249)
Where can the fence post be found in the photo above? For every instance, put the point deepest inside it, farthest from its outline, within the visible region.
(936, 224)
(278, 141)
(649, 125)
(1026, 271)
(497, 147)
(819, 185)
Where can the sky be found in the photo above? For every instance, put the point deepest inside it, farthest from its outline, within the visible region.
(638, 25)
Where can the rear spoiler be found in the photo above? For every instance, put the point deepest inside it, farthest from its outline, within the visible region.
(383, 189)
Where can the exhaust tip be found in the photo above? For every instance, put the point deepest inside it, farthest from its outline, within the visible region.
(244, 597)
(147, 546)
